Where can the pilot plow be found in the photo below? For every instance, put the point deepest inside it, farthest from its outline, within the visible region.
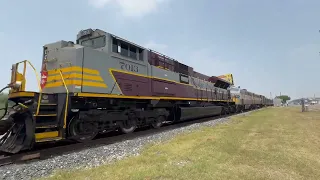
(19, 134)
(17, 126)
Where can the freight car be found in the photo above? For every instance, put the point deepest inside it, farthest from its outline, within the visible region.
(246, 100)
(104, 83)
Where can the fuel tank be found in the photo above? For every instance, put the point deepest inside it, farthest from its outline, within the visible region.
(199, 112)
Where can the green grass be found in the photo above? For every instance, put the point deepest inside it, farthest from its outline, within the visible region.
(274, 143)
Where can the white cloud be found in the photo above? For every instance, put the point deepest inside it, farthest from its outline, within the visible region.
(130, 8)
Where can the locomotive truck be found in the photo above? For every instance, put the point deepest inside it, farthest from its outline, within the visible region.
(104, 83)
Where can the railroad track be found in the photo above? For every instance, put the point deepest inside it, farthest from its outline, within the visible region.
(55, 149)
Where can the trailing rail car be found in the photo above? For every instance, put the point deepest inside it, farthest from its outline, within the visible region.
(105, 83)
(245, 100)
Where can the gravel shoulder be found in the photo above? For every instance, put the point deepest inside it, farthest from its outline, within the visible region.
(96, 156)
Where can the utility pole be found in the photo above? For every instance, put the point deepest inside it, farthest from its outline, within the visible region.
(302, 105)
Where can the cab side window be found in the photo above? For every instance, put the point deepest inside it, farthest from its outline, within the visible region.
(127, 50)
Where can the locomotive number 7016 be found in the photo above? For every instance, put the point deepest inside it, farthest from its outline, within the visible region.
(129, 67)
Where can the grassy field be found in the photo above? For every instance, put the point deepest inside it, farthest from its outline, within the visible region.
(274, 143)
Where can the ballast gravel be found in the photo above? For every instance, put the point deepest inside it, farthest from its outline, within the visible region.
(95, 156)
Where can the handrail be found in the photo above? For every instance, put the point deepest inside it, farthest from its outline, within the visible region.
(67, 100)
(38, 79)
(40, 89)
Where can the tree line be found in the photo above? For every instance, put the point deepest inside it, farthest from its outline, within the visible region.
(284, 98)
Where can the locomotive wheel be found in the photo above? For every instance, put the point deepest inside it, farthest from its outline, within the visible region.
(228, 110)
(223, 111)
(83, 131)
(128, 126)
(157, 123)
(234, 109)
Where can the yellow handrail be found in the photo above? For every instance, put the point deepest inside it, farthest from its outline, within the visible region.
(67, 100)
(38, 79)
(40, 89)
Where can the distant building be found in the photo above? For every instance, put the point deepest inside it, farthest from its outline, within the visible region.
(277, 102)
(314, 102)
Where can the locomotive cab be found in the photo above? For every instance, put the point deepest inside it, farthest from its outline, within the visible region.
(90, 38)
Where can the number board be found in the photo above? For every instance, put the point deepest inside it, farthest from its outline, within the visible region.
(184, 79)
(129, 67)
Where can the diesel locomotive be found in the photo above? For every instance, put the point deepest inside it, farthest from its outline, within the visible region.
(104, 83)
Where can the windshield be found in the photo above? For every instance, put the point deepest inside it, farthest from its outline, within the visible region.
(97, 42)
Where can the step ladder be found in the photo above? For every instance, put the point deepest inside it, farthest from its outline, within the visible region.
(51, 116)
(47, 121)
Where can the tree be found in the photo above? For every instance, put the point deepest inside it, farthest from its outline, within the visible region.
(284, 98)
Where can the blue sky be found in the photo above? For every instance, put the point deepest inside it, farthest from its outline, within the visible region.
(269, 46)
